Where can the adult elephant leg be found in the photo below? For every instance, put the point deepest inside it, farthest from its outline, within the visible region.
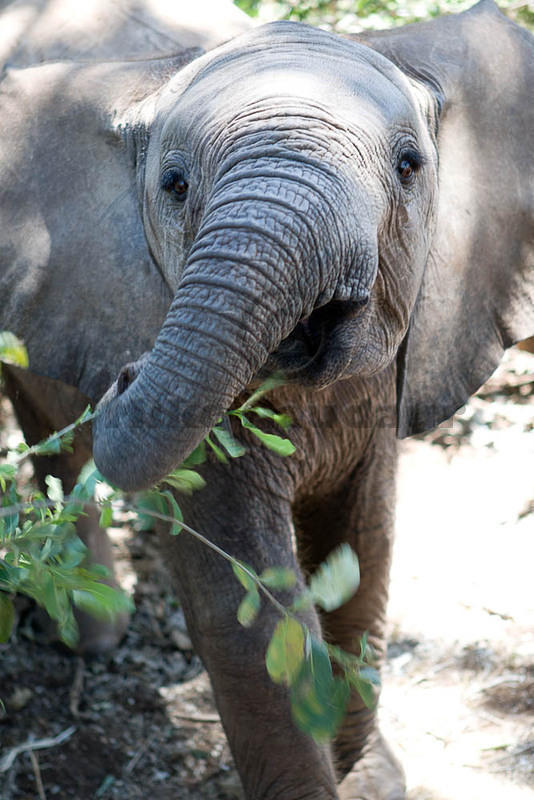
(245, 509)
(361, 513)
(43, 406)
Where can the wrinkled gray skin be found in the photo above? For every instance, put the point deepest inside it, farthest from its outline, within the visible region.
(359, 215)
(53, 284)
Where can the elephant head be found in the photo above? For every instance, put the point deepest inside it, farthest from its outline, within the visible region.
(292, 198)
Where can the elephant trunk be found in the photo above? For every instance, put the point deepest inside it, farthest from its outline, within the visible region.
(252, 274)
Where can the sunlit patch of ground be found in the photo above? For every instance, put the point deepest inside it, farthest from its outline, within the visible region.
(459, 686)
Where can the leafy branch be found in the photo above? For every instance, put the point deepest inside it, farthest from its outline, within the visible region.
(42, 556)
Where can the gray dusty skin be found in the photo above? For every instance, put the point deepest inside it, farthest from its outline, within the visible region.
(357, 213)
(77, 281)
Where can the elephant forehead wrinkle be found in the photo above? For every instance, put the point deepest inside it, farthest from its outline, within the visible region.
(291, 47)
(280, 125)
(297, 88)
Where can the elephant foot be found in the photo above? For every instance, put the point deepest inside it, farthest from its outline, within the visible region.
(378, 775)
(99, 636)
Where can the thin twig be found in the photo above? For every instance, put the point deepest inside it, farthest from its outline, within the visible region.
(8, 783)
(77, 688)
(166, 518)
(17, 507)
(133, 762)
(35, 744)
(196, 717)
(53, 436)
(9, 510)
(37, 773)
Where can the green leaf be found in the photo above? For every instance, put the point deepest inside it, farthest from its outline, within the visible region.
(12, 350)
(273, 382)
(198, 456)
(318, 700)
(147, 502)
(248, 608)
(11, 577)
(280, 446)
(336, 580)
(285, 652)
(283, 420)
(8, 472)
(157, 502)
(85, 416)
(98, 571)
(250, 7)
(101, 600)
(73, 552)
(68, 629)
(219, 455)
(106, 516)
(55, 489)
(302, 602)
(231, 445)
(7, 617)
(365, 690)
(46, 550)
(363, 645)
(175, 511)
(54, 444)
(87, 481)
(278, 578)
(246, 580)
(54, 598)
(10, 522)
(185, 480)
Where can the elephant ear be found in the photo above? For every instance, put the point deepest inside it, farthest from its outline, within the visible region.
(477, 294)
(77, 281)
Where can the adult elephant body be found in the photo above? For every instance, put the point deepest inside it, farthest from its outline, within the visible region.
(357, 214)
(77, 281)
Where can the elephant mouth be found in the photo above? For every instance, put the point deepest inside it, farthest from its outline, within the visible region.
(319, 349)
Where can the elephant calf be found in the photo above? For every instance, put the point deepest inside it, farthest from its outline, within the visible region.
(356, 213)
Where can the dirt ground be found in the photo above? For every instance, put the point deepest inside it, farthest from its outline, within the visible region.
(458, 698)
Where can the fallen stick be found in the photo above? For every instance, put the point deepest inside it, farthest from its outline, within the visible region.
(77, 688)
(36, 744)
(195, 717)
(37, 773)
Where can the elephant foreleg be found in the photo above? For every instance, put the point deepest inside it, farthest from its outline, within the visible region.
(361, 513)
(247, 514)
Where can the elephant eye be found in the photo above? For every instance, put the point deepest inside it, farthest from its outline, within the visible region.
(409, 163)
(174, 182)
